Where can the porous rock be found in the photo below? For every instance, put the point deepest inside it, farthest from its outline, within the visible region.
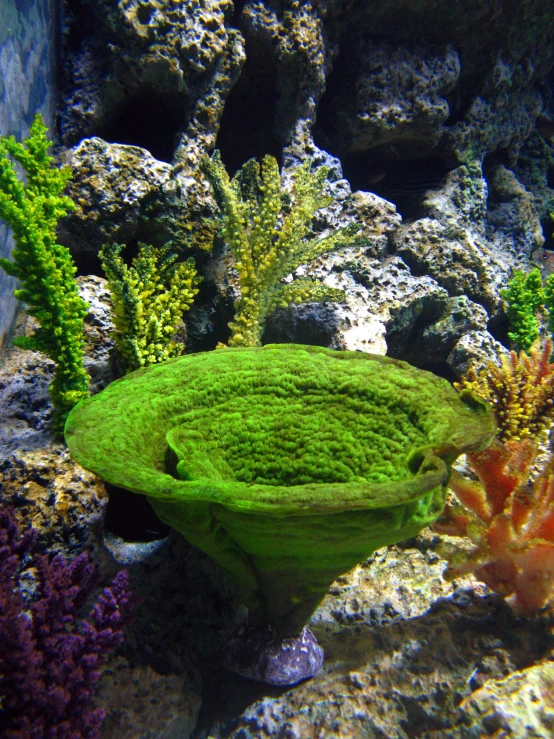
(457, 244)
(142, 704)
(477, 349)
(98, 326)
(121, 194)
(25, 405)
(402, 648)
(53, 494)
(49, 490)
(519, 705)
(179, 57)
(400, 95)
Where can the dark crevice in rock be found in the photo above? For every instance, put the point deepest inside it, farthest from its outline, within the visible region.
(248, 124)
(79, 24)
(225, 696)
(314, 324)
(338, 87)
(404, 183)
(131, 517)
(550, 177)
(150, 120)
(548, 231)
(238, 6)
(499, 331)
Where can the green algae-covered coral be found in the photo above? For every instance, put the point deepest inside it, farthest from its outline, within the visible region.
(267, 244)
(525, 297)
(286, 464)
(45, 269)
(149, 299)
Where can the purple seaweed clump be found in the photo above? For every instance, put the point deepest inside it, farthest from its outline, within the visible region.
(49, 663)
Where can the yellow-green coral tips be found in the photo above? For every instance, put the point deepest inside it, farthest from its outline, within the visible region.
(287, 464)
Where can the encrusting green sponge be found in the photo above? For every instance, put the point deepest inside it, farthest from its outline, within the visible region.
(286, 464)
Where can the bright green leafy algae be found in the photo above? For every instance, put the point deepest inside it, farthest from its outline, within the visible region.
(269, 241)
(149, 299)
(32, 208)
(286, 464)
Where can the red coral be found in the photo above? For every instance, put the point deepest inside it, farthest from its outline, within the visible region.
(510, 521)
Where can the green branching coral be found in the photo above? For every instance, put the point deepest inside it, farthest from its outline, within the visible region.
(43, 267)
(524, 297)
(286, 464)
(267, 243)
(149, 299)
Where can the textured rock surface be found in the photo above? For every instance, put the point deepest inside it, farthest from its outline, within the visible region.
(25, 406)
(400, 95)
(55, 496)
(502, 59)
(50, 491)
(402, 649)
(140, 703)
(443, 86)
(122, 194)
(521, 705)
(477, 348)
(179, 58)
(467, 249)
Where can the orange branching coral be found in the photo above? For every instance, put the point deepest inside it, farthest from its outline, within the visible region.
(520, 391)
(509, 520)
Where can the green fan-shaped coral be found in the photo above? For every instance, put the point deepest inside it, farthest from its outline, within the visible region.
(44, 268)
(148, 299)
(267, 243)
(286, 464)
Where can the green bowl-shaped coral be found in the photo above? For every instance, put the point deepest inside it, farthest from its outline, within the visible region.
(286, 464)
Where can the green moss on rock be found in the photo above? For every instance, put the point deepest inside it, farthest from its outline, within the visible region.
(287, 464)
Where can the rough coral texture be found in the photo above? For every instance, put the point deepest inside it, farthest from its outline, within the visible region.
(329, 439)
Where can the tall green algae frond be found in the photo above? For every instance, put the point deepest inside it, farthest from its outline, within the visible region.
(148, 300)
(286, 464)
(267, 243)
(45, 269)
